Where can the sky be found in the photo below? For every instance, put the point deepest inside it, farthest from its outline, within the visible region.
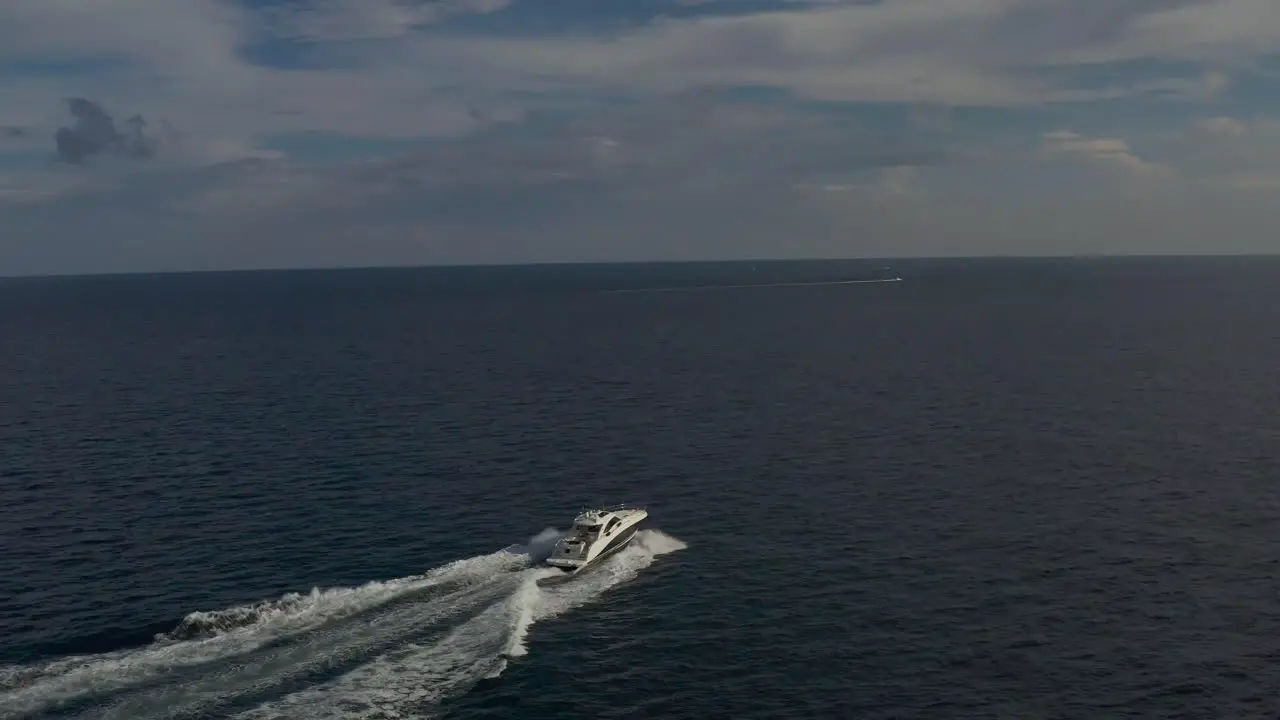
(153, 135)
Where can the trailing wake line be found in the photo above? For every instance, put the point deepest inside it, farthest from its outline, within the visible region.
(388, 649)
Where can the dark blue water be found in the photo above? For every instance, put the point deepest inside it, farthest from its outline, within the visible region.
(996, 489)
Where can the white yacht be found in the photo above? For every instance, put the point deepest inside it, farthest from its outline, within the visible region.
(595, 535)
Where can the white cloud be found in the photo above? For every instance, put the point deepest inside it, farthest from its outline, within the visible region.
(744, 174)
(898, 181)
(1107, 152)
(330, 20)
(1268, 182)
(1221, 126)
(689, 145)
(18, 194)
(1212, 30)
(160, 40)
(183, 61)
(887, 184)
(962, 52)
(1238, 154)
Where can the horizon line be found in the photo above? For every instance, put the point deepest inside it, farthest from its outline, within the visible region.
(656, 262)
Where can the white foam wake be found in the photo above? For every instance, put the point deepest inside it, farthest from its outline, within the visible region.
(377, 647)
(225, 634)
(414, 677)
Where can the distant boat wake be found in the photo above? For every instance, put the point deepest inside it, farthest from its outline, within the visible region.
(383, 649)
(692, 288)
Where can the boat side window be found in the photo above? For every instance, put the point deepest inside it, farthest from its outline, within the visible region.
(609, 528)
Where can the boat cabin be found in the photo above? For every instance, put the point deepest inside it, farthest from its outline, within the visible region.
(594, 530)
(591, 525)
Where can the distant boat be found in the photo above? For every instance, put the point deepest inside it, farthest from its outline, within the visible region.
(595, 535)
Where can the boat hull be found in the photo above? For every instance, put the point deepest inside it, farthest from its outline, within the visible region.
(614, 547)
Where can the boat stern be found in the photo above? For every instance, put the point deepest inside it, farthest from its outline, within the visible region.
(565, 563)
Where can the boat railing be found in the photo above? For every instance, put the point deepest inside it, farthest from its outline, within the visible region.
(613, 508)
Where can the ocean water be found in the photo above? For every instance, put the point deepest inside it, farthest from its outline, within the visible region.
(994, 489)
